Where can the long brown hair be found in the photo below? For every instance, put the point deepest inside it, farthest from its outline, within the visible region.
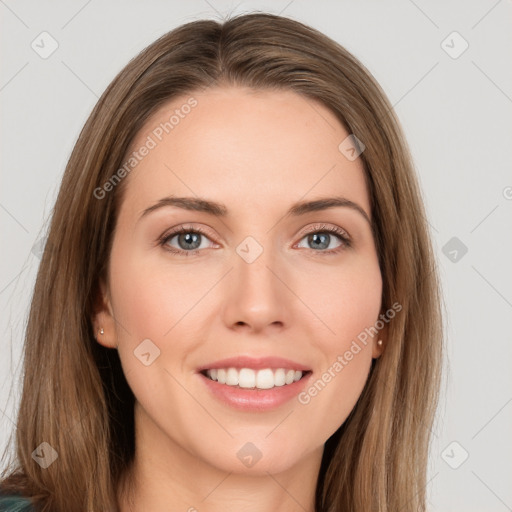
(75, 396)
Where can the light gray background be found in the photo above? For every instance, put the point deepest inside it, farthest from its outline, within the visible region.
(456, 113)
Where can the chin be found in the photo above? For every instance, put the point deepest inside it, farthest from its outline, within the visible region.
(255, 455)
(267, 464)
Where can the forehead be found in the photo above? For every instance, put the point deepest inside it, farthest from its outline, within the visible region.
(243, 147)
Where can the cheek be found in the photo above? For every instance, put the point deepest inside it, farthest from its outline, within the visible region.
(346, 298)
(348, 301)
(150, 296)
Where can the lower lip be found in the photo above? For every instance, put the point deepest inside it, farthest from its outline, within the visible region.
(255, 399)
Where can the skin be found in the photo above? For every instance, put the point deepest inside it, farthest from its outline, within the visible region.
(257, 152)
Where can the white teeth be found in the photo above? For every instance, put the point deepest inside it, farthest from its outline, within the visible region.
(265, 379)
(279, 377)
(246, 378)
(249, 378)
(232, 377)
(221, 376)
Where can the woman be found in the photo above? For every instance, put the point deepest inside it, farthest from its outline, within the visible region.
(238, 303)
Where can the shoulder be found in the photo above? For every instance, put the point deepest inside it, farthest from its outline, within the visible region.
(15, 503)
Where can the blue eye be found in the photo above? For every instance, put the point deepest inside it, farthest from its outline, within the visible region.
(188, 240)
(322, 240)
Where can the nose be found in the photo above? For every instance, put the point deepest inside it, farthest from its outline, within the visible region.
(257, 298)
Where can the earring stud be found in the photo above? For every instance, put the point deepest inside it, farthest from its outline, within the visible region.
(379, 343)
(101, 331)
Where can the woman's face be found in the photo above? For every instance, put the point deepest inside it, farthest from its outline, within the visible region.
(245, 278)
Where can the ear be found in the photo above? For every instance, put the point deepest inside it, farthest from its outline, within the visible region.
(378, 348)
(103, 321)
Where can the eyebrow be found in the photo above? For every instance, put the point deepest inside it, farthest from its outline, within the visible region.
(220, 210)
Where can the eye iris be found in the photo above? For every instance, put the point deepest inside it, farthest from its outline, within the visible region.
(315, 239)
(189, 238)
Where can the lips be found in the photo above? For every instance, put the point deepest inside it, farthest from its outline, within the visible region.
(253, 363)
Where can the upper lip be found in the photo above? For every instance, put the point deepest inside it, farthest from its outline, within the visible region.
(256, 363)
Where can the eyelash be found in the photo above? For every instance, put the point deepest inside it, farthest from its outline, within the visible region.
(317, 229)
